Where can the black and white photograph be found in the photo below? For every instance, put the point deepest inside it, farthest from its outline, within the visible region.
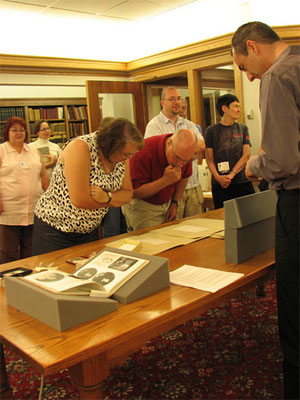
(123, 263)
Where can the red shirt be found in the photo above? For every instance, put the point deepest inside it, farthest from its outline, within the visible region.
(149, 165)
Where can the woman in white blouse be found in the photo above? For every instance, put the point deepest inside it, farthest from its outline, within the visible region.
(49, 150)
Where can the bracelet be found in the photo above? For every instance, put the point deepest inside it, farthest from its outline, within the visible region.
(234, 171)
(174, 201)
(109, 198)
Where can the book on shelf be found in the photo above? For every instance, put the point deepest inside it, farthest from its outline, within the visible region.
(45, 113)
(77, 112)
(102, 276)
(7, 112)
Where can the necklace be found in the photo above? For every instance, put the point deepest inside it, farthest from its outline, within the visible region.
(108, 166)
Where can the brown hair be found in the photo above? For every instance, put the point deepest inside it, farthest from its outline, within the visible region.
(9, 123)
(257, 31)
(114, 133)
(37, 125)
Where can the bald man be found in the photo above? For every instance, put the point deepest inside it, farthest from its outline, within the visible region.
(170, 120)
(159, 174)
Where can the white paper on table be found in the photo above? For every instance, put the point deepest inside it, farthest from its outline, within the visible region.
(154, 241)
(189, 228)
(127, 246)
(207, 279)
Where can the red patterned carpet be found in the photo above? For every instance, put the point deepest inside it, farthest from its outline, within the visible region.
(231, 352)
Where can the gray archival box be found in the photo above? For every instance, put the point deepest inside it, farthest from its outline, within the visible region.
(62, 312)
(249, 225)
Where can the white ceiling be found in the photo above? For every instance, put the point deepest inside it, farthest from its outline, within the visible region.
(127, 10)
(126, 30)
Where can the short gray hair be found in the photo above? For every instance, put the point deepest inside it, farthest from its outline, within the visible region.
(164, 91)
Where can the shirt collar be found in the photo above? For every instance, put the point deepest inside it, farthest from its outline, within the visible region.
(10, 149)
(166, 120)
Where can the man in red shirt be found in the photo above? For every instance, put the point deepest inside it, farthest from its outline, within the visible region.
(159, 174)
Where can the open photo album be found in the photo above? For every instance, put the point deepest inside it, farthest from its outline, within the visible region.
(101, 276)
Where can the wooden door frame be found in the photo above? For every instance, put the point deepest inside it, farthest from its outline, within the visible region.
(93, 88)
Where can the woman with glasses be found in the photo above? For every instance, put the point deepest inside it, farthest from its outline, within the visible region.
(91, 175)
(48, 150)
(22, 178)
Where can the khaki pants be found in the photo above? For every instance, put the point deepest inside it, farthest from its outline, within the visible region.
(191, 202)
(141, 214)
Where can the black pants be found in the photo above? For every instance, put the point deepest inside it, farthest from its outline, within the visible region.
(287, 274)
(15, 242)
(46, 238)
(232, 192)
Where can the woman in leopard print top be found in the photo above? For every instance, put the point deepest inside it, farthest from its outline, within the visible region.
(91, 175)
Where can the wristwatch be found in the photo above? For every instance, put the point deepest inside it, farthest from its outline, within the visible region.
(175, 201)
(109, 198)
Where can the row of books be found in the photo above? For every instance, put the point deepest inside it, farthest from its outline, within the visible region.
(59, 127)
(78, 128)
(77, 112)
(7, 112)
(45, 113)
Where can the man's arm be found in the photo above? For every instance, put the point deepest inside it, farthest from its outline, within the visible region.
(241, 162)
(280, 158)
(170, 176)
(201, 150)
(171, 214)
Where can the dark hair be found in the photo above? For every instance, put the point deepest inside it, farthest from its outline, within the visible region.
(225, 100)
(258, 31)
(37, 125)
(113, 135)
(9, 123)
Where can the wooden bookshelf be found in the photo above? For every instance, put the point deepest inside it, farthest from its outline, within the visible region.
(68, 117)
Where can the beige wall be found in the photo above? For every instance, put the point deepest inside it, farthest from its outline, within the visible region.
(45, 86)
(251, 103)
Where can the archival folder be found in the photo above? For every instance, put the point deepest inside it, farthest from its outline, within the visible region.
(62, 311)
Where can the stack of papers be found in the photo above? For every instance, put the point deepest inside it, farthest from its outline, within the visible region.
(174, 235)
(207, 279)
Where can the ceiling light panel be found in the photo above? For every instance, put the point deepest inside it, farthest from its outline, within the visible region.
(87, 6)
(42, 3)
(136, 9)
(173, 3)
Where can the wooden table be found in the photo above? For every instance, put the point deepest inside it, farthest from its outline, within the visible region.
(91, 349)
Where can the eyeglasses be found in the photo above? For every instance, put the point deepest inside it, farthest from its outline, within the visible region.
(179, 159)
(22, 130)
(45, 129)
(125, 156)
(173, 99)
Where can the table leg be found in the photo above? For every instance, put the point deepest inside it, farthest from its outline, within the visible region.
(5, 389)
(88, 376)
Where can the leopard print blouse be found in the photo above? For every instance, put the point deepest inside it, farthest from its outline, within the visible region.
(55, 207)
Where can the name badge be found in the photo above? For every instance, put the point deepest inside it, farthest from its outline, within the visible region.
(223, 167)
(24, 165)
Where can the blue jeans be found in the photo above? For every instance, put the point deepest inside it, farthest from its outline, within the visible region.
(113, 223)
